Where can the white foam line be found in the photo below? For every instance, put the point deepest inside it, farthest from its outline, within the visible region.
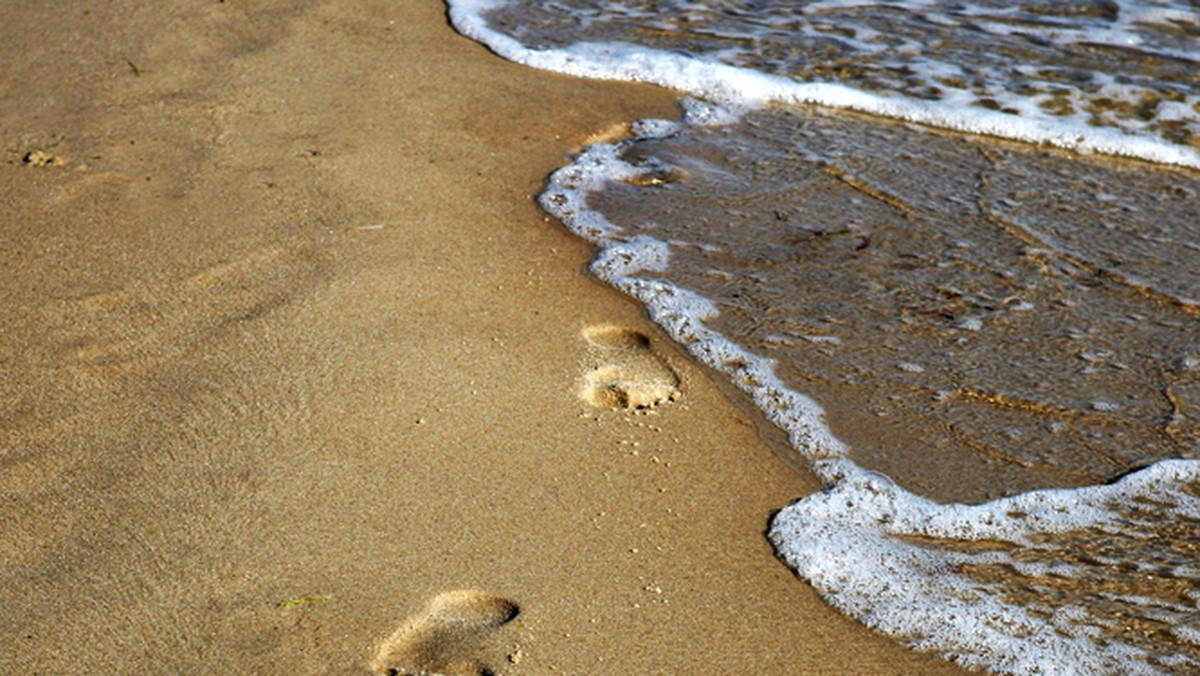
(848, 541)
(732, 85)
(843, 541)
(851, 540)
(681, 312)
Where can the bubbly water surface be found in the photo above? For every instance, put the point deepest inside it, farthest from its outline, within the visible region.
(1002, 337)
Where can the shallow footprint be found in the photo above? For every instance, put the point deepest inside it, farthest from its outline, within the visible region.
(628, 374)
(444, 638)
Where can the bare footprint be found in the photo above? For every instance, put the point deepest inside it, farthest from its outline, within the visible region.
(628, 374)
(445, 637)
(137, 326)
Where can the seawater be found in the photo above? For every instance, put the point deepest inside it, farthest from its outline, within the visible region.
(1002, 334)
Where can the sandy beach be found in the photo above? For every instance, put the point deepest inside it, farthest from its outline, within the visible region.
(288, 350)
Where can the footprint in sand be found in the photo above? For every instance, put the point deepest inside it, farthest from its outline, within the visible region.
(445, 637)
(136, 326)
(627, 373)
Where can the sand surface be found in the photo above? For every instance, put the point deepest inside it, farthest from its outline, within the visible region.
(287, 351)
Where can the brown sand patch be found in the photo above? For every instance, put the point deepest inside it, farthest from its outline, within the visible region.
(144, 325)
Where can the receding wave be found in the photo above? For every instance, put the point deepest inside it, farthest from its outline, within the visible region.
(1110, 77)
(962, 347)
(1004, 336)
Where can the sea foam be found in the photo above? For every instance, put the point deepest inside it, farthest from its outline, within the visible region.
(972, 583)
(707, 77)
(898, 562)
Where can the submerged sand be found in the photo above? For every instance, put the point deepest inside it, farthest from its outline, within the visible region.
(288, 351)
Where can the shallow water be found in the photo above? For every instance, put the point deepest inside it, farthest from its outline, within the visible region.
(989, 351)
(1131, 66)
(1015, 317)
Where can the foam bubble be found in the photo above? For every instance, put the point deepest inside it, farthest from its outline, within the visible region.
(706, 76)
(973, 583)
(966, 582)
(911, 568)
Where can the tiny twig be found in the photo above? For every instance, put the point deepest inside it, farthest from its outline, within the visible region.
(303, 599)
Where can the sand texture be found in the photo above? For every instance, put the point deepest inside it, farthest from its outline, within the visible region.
(291, 371)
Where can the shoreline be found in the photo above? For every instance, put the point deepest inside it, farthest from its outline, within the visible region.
(292, 351)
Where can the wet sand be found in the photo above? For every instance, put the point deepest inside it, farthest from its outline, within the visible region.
(1012, 316)
(288, 351)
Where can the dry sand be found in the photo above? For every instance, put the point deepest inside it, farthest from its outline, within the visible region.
(287, 351)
